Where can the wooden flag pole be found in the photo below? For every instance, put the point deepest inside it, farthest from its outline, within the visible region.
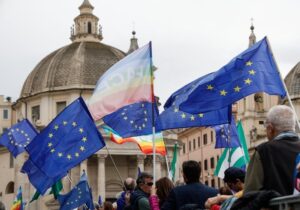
(286, 90)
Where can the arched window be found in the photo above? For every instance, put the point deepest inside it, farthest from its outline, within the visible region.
(10, 188)
(89, 27)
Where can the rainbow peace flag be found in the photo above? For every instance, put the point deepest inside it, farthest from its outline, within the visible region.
(144, 142)
(128, 81)
(18, 202)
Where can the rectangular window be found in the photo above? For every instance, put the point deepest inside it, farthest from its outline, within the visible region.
(213, 183)
(190, 145)
(60, 106)
(205, 139)
(5, 114)
(205, 165)
(11, 161)
(206, 182)
(212, 162)
(212, 136)
(218, 158)
(199, 141)
(183, 148)
(194, 144)
(35, 113)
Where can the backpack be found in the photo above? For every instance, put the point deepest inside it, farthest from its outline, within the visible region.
(190, 206)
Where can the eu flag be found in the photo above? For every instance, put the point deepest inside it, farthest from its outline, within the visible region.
(79, 195)
(254, 70)
(172, 117)
(16, 138)
(69, 139)
(227, 136)
(132, 120)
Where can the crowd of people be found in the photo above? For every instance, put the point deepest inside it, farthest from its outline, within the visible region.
(271, 173)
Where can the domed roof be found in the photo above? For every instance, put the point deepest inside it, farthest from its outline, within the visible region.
(75, 66)
(292, 80)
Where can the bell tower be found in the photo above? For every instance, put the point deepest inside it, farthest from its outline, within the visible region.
(86, 28)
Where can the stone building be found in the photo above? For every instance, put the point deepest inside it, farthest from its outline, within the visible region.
(56, 81)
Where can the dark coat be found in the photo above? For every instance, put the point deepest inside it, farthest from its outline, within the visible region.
(192, 193)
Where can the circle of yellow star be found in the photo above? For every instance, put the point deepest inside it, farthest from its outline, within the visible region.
(82, 148)
(77, 154)
(252, 72)
(192, 118)
(237, 89)
(69, 157)
(52, 150)
(248, 81)
(223, 93)
(176, 110)
(201, 115)
(50, 144)
(183, 115)
(84, 139)
(60, 154)
(249, 63)
(50, 135)
(210, 87)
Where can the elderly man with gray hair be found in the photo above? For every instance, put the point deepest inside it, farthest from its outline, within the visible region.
(273, 163)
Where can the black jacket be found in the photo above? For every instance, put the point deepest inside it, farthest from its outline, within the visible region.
(192, 193)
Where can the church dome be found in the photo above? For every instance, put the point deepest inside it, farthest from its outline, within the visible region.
(75, 66)
(292, 80)
(78, 65)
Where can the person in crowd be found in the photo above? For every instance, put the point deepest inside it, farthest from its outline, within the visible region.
(272, 164)
(225, 191)
(193, 193)
(234, 179)
(107, 205)
(160, 192)
(139, 197)
(2, 207)
(128, 187)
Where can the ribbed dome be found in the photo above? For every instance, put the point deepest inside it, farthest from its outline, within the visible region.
(75, 66)
(292, 80)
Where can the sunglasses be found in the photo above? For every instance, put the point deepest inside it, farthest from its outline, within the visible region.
(149, 184)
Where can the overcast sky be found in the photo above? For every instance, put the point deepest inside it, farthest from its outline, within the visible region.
(190, 37)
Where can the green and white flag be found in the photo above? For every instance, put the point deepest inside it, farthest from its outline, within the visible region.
(173, 164)
(233, 157)
(55, 189)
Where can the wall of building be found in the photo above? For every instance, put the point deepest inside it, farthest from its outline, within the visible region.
(199, 145)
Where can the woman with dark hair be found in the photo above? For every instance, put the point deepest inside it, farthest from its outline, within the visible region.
(160, 192)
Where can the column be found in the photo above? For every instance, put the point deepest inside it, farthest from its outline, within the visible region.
(158, 167)
(140, 162)
(101, 175)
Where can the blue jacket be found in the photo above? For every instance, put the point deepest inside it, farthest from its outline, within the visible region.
(192, 193)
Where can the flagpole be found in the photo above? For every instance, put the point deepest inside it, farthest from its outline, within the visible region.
(167, 161)
(153, 125)
(122, 182)
(286, 90)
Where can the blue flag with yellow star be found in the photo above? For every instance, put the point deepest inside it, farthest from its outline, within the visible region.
(132, 120)
(16, 138)
(172, 117)
(227, 136)
(69, 139)
(254, 70)
(80, 195)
